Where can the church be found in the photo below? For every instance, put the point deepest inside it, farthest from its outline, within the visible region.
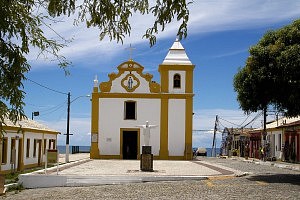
(129, 98)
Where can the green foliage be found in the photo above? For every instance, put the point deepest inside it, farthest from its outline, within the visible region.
(271, 75)
(111, 17)
(11, 178)
(20, 29)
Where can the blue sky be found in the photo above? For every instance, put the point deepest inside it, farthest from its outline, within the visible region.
(219, 36)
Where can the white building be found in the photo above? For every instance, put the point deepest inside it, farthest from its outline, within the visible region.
(284, 133)
(130, 98)
(24, 144)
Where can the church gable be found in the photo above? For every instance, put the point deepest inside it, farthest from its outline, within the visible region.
(130, 79)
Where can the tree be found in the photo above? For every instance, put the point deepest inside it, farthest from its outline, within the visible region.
(21, 24)
(271, 75)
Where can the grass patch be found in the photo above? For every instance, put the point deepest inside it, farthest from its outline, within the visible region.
(13, 176)
(17, 188)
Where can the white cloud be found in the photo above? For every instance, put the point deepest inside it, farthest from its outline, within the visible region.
(204, 121)
(79, 127)
(205, 17)
(210, 16)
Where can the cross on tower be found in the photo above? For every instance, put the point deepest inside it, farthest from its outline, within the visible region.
(130, 49)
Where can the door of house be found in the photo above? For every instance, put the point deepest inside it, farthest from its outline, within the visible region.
(130, 145)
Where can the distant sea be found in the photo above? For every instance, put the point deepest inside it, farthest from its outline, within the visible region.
(86, 149)
(208, 150)
(82, 149)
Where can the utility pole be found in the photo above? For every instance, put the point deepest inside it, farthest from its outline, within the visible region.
(213, 149)
(265, 132)
(68, 128)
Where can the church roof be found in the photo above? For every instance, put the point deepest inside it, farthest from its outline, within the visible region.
(177, 55)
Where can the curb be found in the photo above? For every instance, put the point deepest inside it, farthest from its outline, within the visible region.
(61, 167)
(47, 181)
(268, 163)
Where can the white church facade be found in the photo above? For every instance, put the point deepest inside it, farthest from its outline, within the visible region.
(130, 98)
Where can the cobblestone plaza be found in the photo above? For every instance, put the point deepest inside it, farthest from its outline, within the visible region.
(261, 182)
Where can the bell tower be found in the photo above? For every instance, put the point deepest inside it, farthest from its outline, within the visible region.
(176, 71)
(176, 78)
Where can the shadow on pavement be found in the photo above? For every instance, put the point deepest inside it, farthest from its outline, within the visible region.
(277, 178)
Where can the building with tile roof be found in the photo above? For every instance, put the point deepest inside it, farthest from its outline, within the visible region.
(24, 144)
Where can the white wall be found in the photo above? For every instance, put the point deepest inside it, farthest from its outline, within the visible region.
(176, 127)
(182, 76)
(277, 143)
(9, 135)
(32, 136)
(111, 119)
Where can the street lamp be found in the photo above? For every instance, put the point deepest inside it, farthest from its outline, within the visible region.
(68, 124)
(36, 113)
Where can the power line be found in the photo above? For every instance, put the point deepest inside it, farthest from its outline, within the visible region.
(228, 121)
(47, 87)
(251, 121)
(245, 120)
(52, 110)
(255, 118)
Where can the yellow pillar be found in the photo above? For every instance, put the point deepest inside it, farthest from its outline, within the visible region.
(164, 146)
(189, 128)
(164, 78)
(94, 153)
(189, 80)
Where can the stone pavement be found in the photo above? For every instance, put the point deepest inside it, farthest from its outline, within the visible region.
(263, 182)
(80, 164)
(82, 171)
(278, 164)
(73, 157)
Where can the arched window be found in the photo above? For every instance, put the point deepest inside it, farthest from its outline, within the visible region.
(176, 81)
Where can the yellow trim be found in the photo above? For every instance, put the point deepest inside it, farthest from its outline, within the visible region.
(188, 128)
(164, 146)
(109, 157)
(95, 89)
(164, 80)
(121, 140)
(128, 66)
(144, 96)
(163, 67)
(31, 166)
(21, 164)
(94, 152)
(164, 74)
(134, 87)
(19, 129)
(154, 87)
(176, 157)
(156, 157)
(189, 82)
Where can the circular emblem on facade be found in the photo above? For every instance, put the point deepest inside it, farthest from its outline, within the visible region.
(130, 82)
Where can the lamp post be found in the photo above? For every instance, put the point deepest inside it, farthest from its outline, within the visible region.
(68, 124)
(36, 113)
